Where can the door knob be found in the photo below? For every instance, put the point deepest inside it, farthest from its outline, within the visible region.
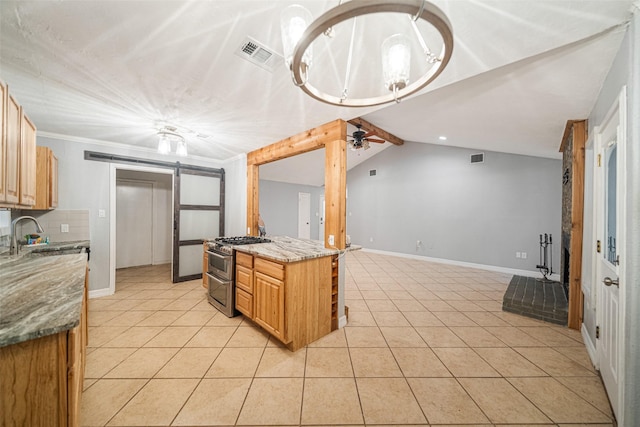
(608, 281)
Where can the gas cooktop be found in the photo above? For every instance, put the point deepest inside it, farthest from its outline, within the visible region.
(241, 240)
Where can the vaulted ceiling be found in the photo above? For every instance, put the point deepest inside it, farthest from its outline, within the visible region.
(114, 71)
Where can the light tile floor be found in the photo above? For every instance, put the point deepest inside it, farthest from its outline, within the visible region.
(426, 344)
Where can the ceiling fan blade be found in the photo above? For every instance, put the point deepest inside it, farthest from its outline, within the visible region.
(370, 134)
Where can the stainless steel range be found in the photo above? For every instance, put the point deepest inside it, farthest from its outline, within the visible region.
(221, 271)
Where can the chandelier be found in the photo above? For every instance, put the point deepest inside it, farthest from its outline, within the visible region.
(416, 23)
(165, 136)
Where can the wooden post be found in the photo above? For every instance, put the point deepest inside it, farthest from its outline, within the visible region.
(577, 219)
(335, 183)
(253, 199)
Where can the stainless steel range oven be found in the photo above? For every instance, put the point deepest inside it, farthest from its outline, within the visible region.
(221, 271)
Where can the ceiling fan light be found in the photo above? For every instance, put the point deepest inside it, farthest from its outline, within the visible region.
(181, 149)
(164, 145)
(396, 62)
(294, 20)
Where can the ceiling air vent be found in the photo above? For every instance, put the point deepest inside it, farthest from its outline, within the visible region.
(477, 158)
(372, 172)
(257, 53)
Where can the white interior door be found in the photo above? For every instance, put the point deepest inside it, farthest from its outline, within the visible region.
(321, 219)
(134, 223)
(304, 215)
(610, 234)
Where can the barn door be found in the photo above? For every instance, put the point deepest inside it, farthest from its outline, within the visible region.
(198, 215)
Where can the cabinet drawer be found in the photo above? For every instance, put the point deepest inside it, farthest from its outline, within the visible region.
(243, 259)
(244, 278)
(244, 303)
(270, 268)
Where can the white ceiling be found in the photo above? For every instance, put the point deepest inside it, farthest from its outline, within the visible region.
(114, 70)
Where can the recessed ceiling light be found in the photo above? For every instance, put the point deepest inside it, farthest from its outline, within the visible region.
(442, 138)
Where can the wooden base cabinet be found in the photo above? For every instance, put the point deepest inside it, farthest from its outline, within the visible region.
(291, 301)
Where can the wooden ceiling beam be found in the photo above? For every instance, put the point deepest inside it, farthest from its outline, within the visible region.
(370, 127)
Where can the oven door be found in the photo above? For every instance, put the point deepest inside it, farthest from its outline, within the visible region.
(220, 265)
(221, 295)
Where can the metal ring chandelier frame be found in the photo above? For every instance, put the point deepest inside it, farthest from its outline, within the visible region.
(417, 9)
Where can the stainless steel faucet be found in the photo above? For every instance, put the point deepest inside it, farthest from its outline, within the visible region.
(15, 249)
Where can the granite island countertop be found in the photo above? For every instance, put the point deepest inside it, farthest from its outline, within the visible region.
(290, 249)
(40, 295)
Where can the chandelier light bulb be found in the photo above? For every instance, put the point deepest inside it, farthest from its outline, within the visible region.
(181, 149)
(294, 20)
(396, 62)
(164, 145)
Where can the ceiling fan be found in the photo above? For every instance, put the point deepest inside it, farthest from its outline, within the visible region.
(361, 139)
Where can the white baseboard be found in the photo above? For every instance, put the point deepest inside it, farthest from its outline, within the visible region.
(495, 268)
(342, 322)
(591, 349)
(100, 293)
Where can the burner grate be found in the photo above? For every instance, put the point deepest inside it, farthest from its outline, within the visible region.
(242, 240)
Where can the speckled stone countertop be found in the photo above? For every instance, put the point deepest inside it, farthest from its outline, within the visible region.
(40, 295)
(289, 249)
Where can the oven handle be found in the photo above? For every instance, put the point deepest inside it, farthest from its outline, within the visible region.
(217, 279)
(217, 255)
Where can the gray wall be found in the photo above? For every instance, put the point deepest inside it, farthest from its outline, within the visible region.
(478, 213)
(279, 207)
(625, 71)
(84, 184)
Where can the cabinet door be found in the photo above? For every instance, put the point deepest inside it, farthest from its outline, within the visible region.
(27, 163)
(269, 305)
(244, 279)
(12, 159)
(53, 181)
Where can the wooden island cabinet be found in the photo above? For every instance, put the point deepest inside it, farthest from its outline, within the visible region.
(290, 300)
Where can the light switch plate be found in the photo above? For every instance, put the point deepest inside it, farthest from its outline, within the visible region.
(332, 239)
(64, 228)
(102, 213)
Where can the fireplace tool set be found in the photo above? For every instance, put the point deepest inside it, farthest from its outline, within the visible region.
(546, 255)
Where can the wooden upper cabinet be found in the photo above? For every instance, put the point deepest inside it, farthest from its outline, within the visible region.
(3, 140)
(46, 179)
(27, 162)
(12, 151)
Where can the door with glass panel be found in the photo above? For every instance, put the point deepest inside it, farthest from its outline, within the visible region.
(198, 215)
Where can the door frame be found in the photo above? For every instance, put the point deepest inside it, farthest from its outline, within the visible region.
(619, 107)
(113, 168)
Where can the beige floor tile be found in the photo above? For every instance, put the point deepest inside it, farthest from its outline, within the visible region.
(355, 304)
(464, 362)
(161, 318)
(454, 318)
(484, 318)
(173, 293)
(97, 318)
(86, 383)
(513, 337)
(553, 363)
(374, 362)
(182, 304)
(419, 362)
(100, 335)
(193, 318)
(130, 318)
(436, 305)
(501, 402)
(517, 320)
(251, 336)
(402, 337)
(102, 360)
(328, 362)
(475, 336)
(364, 337)
(559, 403)
(381, 305)
(578, 355)
(336, 338)
(173, 336)
(105, 398)
(466, 306)
(279, 362)
(98, 304)
(370, 295)
(189, 363)
(390, 318)
(590, 389)
(272, 401)
(144, 363)
(331, 401)
(352, 294)
(388, 401)
(135, 336)
(422, 318)
(211, 336)
(156, 404)
(214, 402)
(361, 318)
(509, 363)
(235, 363)
(548, 336)
(220, 319)
(440, 336)
(409, 306)
(444, 401)
(153, 304)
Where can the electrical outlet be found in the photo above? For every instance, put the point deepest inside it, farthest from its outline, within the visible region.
(64, 228)
(518, 255)
(332, 239)
(248, 231)
(524, 255)
(102, 213)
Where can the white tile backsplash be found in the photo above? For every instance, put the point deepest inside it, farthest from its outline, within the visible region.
(78, 221)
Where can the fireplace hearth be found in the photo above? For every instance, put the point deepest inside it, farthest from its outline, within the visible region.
(539, 299)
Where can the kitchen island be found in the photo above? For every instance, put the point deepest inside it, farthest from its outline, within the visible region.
(289, 287)
(43, 335)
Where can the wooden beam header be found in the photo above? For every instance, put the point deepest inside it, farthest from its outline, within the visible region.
(370, 127)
